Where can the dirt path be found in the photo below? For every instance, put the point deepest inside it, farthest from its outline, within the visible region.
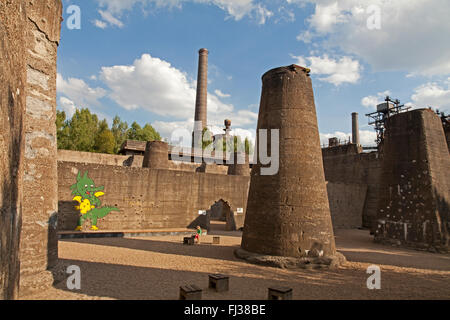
(155, 267)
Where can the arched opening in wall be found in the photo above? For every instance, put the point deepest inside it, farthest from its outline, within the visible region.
(221, 217)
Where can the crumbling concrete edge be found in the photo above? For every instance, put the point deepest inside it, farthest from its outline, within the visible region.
(325, 262)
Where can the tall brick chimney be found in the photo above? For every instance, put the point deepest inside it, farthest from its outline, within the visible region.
(202, 89)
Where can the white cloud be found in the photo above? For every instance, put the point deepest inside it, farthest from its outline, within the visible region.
(156, 86)
(167, 128)
(151, 84)
(413, 36)
(285, 14)
(68, 106)
(326, 17)
(100, 24)
(236, 9)
(79, 91)
(108, 18)
(220, 94)
(367, 138)
(337, 71)
(373, 101)
(433, 94)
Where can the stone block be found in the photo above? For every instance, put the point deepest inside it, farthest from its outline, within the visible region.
(190, 292)
(280, 293)
(219, 282)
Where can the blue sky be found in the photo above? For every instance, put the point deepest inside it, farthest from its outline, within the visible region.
(138, 58)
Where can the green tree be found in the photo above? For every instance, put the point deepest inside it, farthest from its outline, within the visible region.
(235, 144)
(84, 132)
(148, 133)
(249, 149)
(134, 133)
(83, 129)
(62, 130)
(104, 140)
(207, 138)
(119, 130)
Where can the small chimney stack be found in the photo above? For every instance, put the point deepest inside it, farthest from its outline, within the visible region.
(355, 129)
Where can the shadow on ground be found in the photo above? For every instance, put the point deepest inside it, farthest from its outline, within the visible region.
(358, 246)
(126, 282)
(165, 247)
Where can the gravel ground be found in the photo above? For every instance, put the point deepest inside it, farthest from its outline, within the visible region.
(155, 267)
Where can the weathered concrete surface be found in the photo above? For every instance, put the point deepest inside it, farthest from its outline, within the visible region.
(447, 133)
(346, 204)
(240, 165)
(156, 155)
(12, 106)
(38, 243)
(100, 158)
(135, 162)
(413, 208)
(349, 165)
(152, 198)
(288, 213)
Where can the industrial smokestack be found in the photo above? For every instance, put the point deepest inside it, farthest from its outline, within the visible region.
(202, 91)
(288, 213)
(355, 129)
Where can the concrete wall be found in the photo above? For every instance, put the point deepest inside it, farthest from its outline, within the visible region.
(150, 198)
(347, 164)
(99, 158)
(346, 204)
(133, 161)
(197, 167)
(12, 106)
(38, 243)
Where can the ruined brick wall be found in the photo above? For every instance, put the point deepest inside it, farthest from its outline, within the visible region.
(348, 165)
(38, 243)
(132, 161)
(99, 158)
(12, 105)
(413, 207)
(149, 198)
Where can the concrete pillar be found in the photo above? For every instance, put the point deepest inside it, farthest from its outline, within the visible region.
(240, 165)
(288, 213)
(12, 107)
(355, 129)
(156, 155)
(413, 205)
(39, 243)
